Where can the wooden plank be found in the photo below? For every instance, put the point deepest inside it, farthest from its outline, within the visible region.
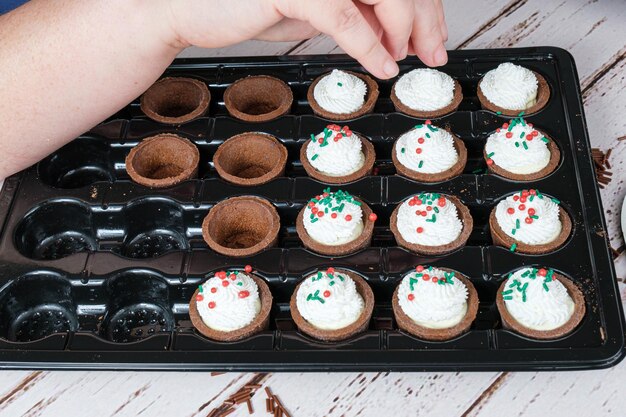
(247, 48)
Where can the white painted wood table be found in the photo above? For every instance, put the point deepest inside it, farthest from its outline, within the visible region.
(595, 33)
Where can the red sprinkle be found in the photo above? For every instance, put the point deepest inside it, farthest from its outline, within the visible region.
(534, 133)
(373, 217)
(411, 297)
(320, 140)
(531, 211)
(326, 293)
(348, 217)
(221, 274)
(419, 268)
(542, 272)
(336, 139)
(233, 277)
(515, 197)
(505, 126)
(489, 161)
(330, 270)
(529, 137)
(522, 207)
(211, 304)
(498, 130)
(420, 229)
(435, 279)
(325, 194)
(320, 213)
(244, 294)
(528, 220)
(427, 122)
(525, 193)
(426, 277)
(420, 140)
(424, 213)
(225, 283)
(429, 208)
(418, 150)
(248, 269)
(532, 191)
(333, 215)
(199, 297)
(213, 290)
(412, 202)
(441, 202)
(509, 135)
(510, 210)
(311, 204)
(530, 125)
(418, 201)
(334, 127)
(522, 199)
(314, 210)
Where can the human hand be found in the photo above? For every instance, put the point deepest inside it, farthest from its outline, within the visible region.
(375, 32)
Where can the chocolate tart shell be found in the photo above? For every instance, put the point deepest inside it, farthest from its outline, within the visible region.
(553, 163)
(241, 226)
(357, 244)
(502, 239)
(370, 99)
(368, 152)
(175, 100)
(250, 158)
(543, 95)
(428, 114)
(466, 219)
(509, 323)
(261, 321)
(406, 324)
(453, 171)
(359, 326)
(258, 98)
(162, 161)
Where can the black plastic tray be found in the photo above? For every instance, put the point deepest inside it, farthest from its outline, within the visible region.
(99, 252)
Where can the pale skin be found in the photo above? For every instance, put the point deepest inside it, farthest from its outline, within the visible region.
(69, 64)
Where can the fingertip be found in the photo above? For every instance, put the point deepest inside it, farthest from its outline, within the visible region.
(390, 68)
(440, 57)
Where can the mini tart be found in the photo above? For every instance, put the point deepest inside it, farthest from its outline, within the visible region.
(175, 100)
(162, 161)
(359, 326)
(502, 239)
(428, 114)
(258, 98)
(362, 241)
(509, 323)
(464, 216)
(368, 152)
(250, 158)
(370, 99)
(543, 95)
(453, 171)
(406, 324)
(241, 226)
(260, 322)
(553, 163)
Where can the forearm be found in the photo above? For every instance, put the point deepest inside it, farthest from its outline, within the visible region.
(68, 64)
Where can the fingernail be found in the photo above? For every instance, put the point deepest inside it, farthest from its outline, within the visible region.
(441, 56)
(403, 53)
(391, 68)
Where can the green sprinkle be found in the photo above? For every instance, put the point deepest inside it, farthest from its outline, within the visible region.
(525, 146)
(513, 247)
(432, 129)
(517, 223)
(556, 201)
(489, 155)
(508, 297)
(200, 290)
(521, 135)
(513, 231)
(331, 283)
(315, 297)
(524, 297)
(545, 139)
(525, 274)
(515, 283)
(412, 282)
(507, 292)
(545, 287)
(498, 113)
(517, 144)
(313, 220)
(436, 209)
(402, 150)
(420, 164)
(240, 283)
(427, 135)
(520, 114)
(340, 85)
(314, 157)
(534, 216)
(312, 137)
(532, 197)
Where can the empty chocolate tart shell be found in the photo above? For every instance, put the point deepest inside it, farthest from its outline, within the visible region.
(362, 241)
(508, 322)
(368, 152)
(428, 114)
(162, 161)
(370, 99)
(406, 324)
(502, 239)
(543, 95)
(453, 171)
(241, 226)
(359, 326)
(250, 159)
(258, 98)
(260, 322)
(175, 100)
(553, 163)
(464, 215)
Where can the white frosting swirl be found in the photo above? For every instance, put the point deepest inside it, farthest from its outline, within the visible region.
(335, 151)
(513, 212)
(518, 148)
(429, 219)
(433, 298)
(333, 218)
(329, 300)
(229, 303)
(510, 86)
(537, 302)
(426, 149)
(425, 89)
(340, 92)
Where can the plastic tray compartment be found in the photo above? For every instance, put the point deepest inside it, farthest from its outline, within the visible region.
(97, 272)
